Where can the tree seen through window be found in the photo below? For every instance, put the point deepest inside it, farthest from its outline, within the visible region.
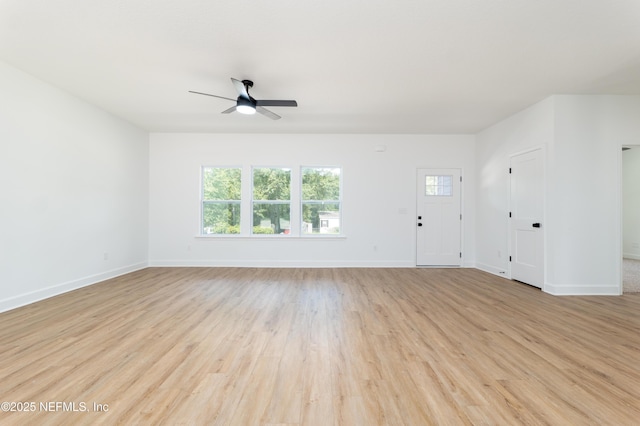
(321, 200)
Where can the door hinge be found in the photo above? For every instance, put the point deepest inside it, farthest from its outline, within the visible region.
(509, 258)
(460, 178)
(509, 214)
(509, 169)
(460, 216)
(460, 255)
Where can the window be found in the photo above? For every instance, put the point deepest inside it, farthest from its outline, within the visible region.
(320, 200)
(439, 185)
(271, 201)
(221, 200)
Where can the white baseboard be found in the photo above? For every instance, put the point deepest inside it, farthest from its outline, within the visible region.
(281, 264)
(576, 290)
(45, 293)
(631, 256)
(492, 270)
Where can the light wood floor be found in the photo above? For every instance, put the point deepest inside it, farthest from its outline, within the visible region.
(322, 347)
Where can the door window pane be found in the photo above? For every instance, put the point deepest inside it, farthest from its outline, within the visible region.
(440, 185)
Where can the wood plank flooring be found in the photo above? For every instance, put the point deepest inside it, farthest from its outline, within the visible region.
(229, 346)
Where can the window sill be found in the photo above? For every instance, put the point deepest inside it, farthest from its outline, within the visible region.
(269, 237)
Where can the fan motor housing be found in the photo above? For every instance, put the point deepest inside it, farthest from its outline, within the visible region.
(242, 101)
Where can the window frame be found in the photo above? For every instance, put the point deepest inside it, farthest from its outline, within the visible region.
(203, 201)
(253, 202)
(247, 202)
(327, 201)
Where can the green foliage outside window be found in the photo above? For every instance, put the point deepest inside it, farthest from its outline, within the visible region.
(321, 198)
(221, 191)
(272, 185)
(261, 230)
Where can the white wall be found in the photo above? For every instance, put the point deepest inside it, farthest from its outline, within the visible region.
(531, 128)
(377, 186)
(78, 183)
(582, 136)
(583, 247)
(73, 187)
(631, 203)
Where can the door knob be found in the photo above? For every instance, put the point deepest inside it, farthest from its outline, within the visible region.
(536, 225)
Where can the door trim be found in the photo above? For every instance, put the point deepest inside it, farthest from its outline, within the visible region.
(619, 193)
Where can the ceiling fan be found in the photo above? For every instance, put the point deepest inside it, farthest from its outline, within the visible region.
(246, 104)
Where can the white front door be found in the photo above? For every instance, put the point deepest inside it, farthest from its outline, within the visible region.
(438, 217)
(526, 210)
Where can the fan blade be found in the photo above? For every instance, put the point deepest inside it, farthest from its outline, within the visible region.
(240, 88)
(277, 103)
(215, 96)
(227, 111)
(268, 113)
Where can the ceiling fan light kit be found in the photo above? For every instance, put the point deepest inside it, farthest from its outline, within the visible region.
(246, 104)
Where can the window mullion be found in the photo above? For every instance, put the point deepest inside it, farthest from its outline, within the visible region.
(295, 197)
(247, 201)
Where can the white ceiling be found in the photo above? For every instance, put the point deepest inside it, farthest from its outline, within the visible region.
(354, 66)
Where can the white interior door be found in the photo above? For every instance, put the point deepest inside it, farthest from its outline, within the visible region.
(438, 217)
(526, 211)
